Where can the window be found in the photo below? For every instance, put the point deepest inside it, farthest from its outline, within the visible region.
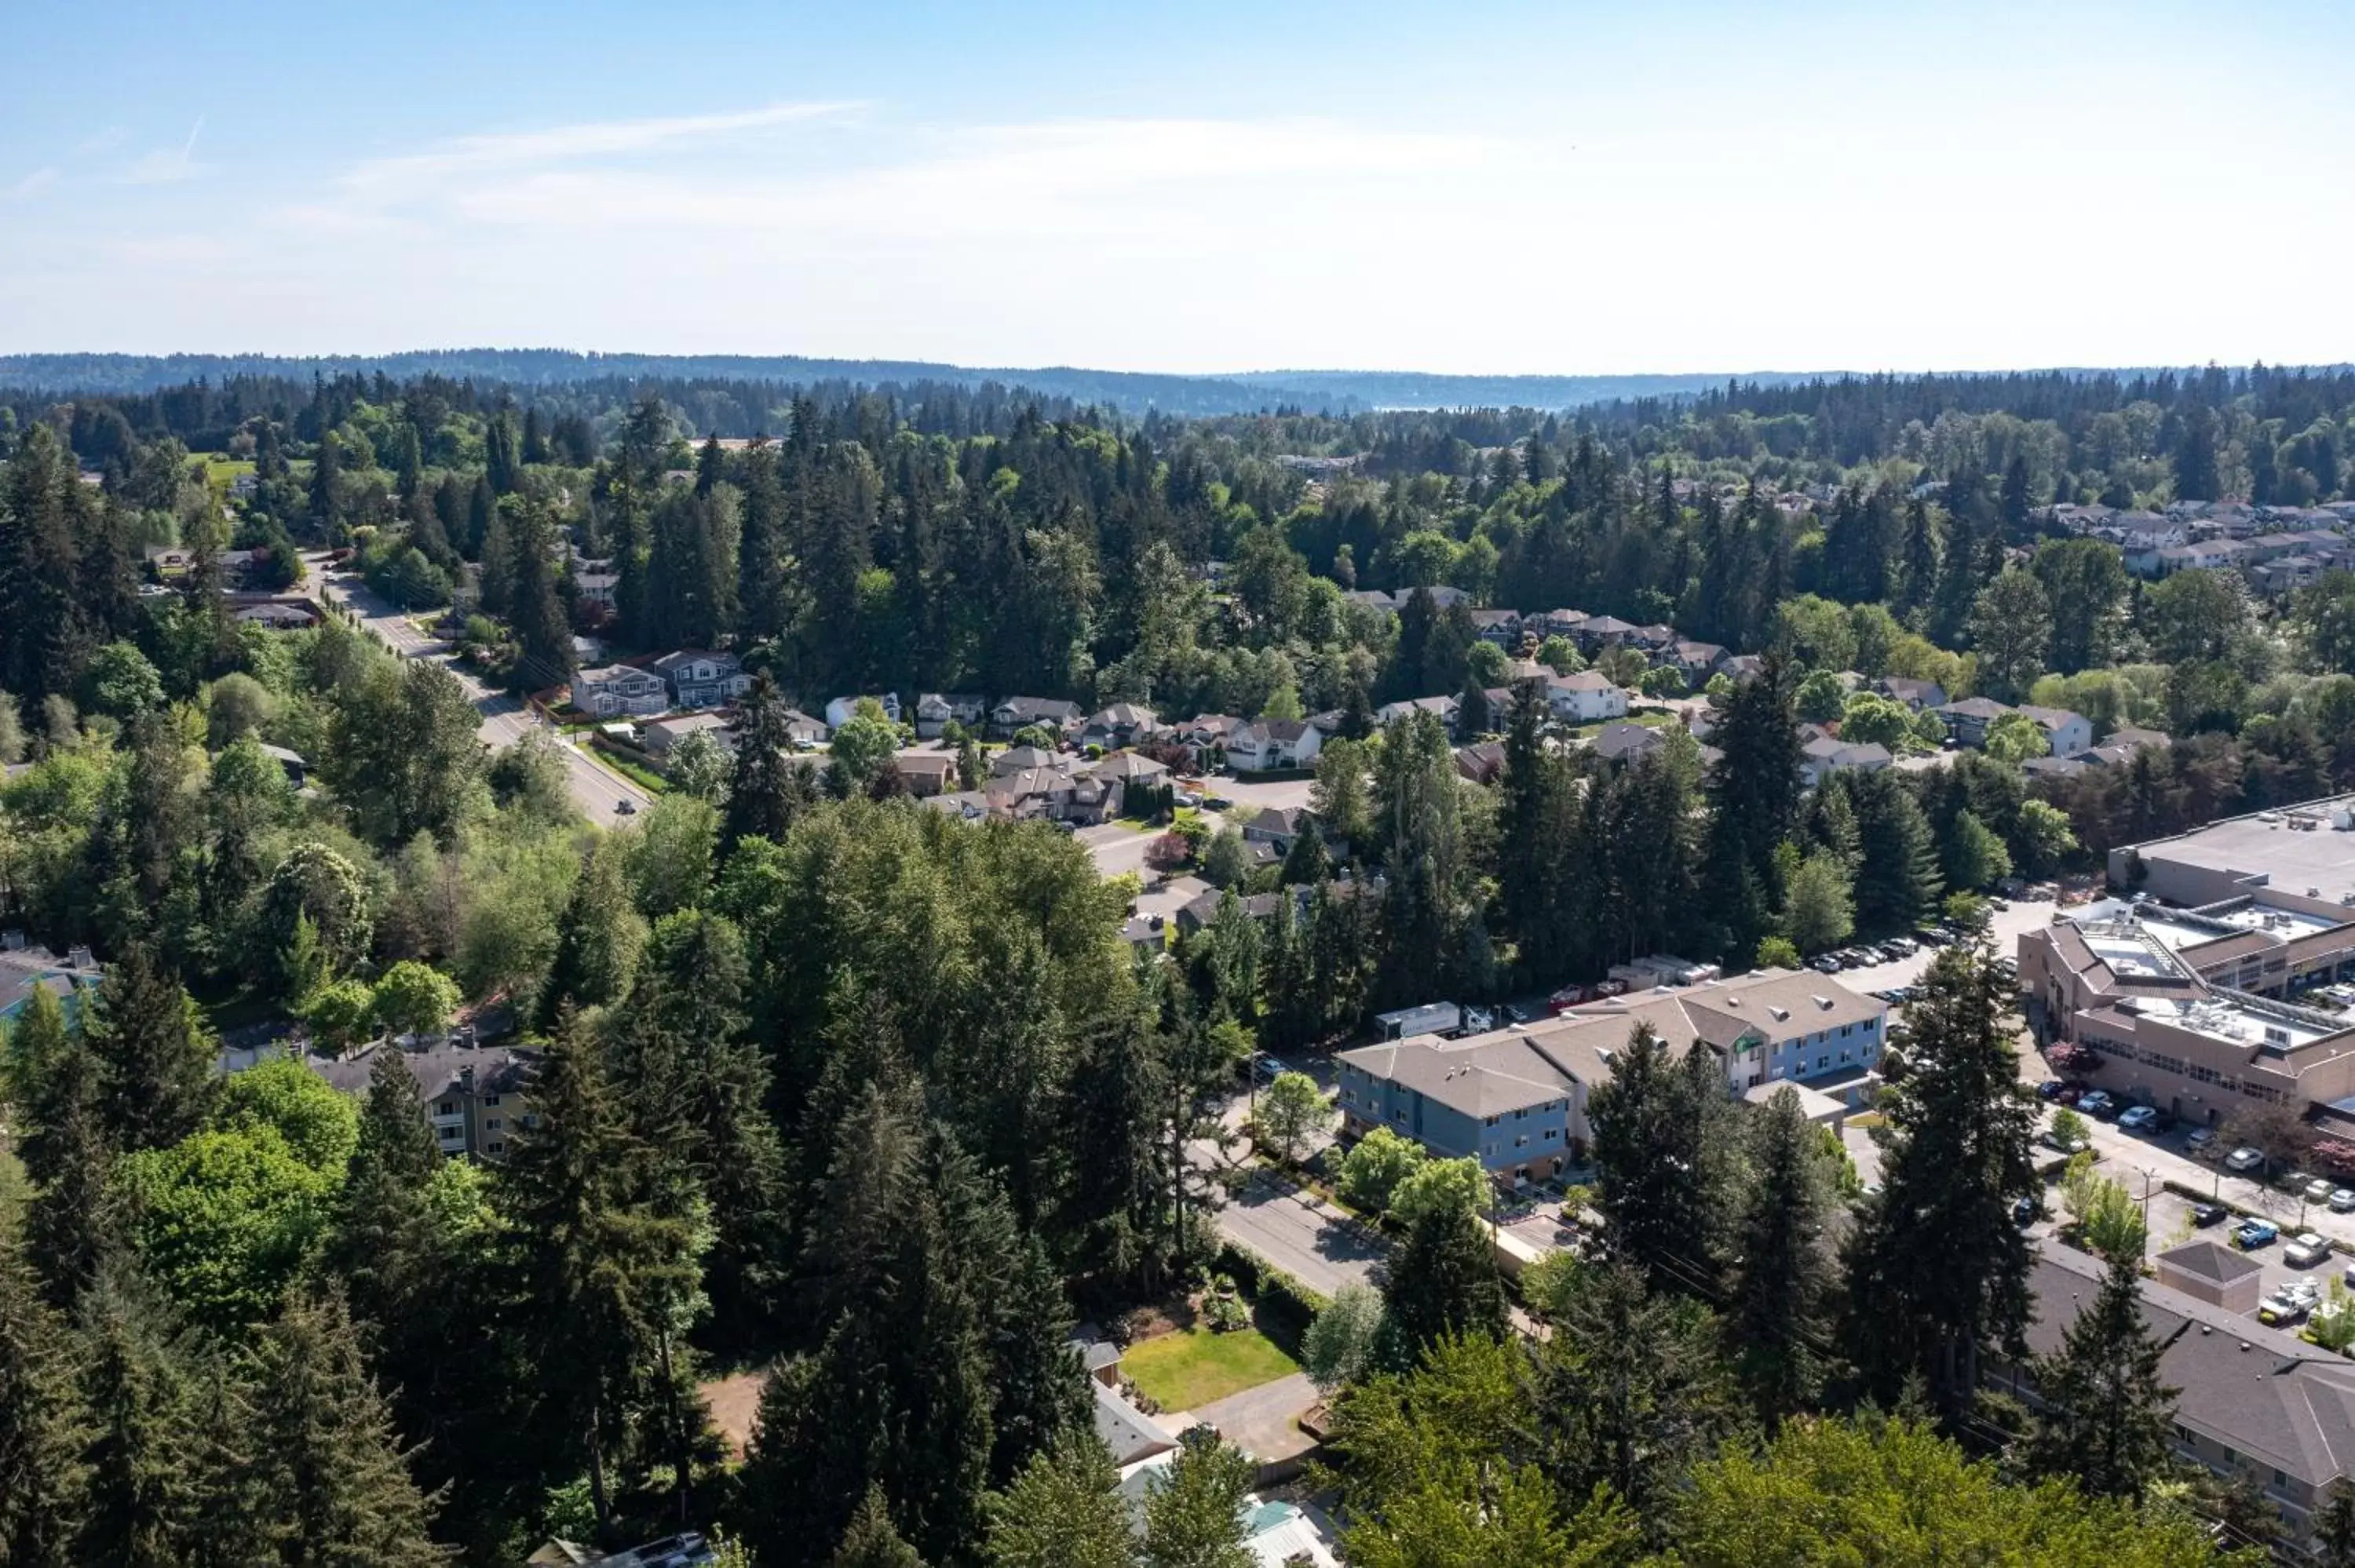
(1399, 1115)
(496, 1149)
(1552, 1133)
(1823, 1064)
(490, 1099)
(1522, 1114)
(493, 1124)
(1522, 1141)
(447, 1107)
(1490, 1121)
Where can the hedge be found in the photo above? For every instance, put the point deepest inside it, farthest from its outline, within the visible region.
(1286, 1306)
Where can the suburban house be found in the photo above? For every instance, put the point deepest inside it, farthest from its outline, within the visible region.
(1205, 735)
(1123, 724)
(1516, 1098)
(2068, 733)
(1915, 694)
(289, 762)
(1020, 760)
(1501, 626)
(1280, 828)
(1588, 697)
(1265, 746)
(1697, 661)
(936, 711)
(473, 1095)
(663, 734)
(1625, 742)
(1600, 631)
(1127, 768)
(1819, 759)
(596, 588)
(924, 773)
(26, 969)
(620, 690)
(1014, 713)
(1053, 794)
(805, 733)
(840, 711)
(1969, 721)
(1482, 762)
(2203, 554)
(701, 679)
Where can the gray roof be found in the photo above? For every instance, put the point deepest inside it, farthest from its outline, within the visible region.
(2210, 1261)
(1486, 1076)
(1128, 1432)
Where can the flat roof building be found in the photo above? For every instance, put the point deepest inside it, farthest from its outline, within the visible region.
(2304, 852)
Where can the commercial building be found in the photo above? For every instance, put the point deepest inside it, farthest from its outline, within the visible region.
(1516, 1098)
(2299, 857)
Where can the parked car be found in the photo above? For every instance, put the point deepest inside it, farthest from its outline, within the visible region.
(1906, 946)
(2249, 1235)
(1824, 964)
(2052, 1140)
(2288, 1304)
(2049, 1089)
(2319, 1190)
(2024, 1210)
(1268, 1067)
(2244, 1160)
(2342, 1200)
(2097, 1103)
(2070, 1094)
(2203, 1143)
(2139, 1119)
(2305, 1250)
(2206, 1214)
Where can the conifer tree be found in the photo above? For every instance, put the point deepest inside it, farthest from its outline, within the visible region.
(1658, 1125)
(872, 1542)
(2103, 1417)
(73, 1222)
(598, 1266)
(155, 1053)
(319, 1458)
(143, 1452)
(1442, 1281)
(770, 787)
(1064, 1510)
(1786, 1273)
(1936, 1269)
(44, 1427)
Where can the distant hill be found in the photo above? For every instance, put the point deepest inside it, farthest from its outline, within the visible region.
(1414, 389)
(1131, 392)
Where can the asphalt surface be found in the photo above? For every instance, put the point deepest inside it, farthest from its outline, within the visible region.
(597, 789)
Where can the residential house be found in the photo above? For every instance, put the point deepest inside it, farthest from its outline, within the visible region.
(1819, 759)
(2067, 733)
(702, 679)
(1128, 768)
(1743, 667)
(840, 711)
(1204, 736)
(1588, 697)
(1050, 714)
(936, 711)
(1625, 742)
(1501, 626)
(1020, 760)
(1054, 794)
(1697, 661)
(661, 734)
(1915, 693)
(1268, 745)
(1969, 721)
(925, 773)
(620, 690)
(1373, 598)
(25, 968)
(1200, 910)
(1597, 633)
(1655, 639)
(1483, 763)
(1442, 708)
(1123, 724)
(290, 763)
(2055, 767)
(473, 1095)
(2286, 575)
(280, 614)
(596, 588)
(1280, 827)
(2203, 554)
(805, 733)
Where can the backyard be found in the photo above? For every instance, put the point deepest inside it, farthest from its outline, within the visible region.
(1192, 1367)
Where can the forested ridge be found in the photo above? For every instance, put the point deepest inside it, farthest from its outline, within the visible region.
(839, 1088)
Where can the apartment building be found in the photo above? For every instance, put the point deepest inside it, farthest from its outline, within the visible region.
(473, 1095)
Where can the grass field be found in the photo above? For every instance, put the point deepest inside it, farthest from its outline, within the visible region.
(219, 471)
(1188, 1369)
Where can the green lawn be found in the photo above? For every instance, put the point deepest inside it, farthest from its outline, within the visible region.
(1649, 720)
(1188, 1369)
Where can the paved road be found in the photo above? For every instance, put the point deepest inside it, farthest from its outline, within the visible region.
(596, 789)
(1310, 1240)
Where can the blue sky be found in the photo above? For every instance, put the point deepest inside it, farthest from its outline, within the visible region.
(1565, 188)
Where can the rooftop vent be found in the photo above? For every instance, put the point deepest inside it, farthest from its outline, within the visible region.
(1780, 1013)
(1824, 1002)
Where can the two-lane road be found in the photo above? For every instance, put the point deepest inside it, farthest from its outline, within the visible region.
(596, 789)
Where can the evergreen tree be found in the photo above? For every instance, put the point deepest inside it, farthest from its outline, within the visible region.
(1659, 1124)
(155, 1054)
(1306, 864)
(44, 1480)
(599, 938)
(74, 1220)
(1784, 1277)
(1064, 1510)
(1919, 555)
(141, 1454)
(2103, 1417)
(319, 1459)
(2334, 1527)
(536, 605)
(1443, 1280)
(1898, 880)
(597, 1266)
(871, 1542)
(1937, 1269)
(769, 789)
(1193, 1513)
(326, 486)
(1754, 804)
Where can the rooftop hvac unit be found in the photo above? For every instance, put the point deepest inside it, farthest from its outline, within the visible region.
(2277, 1036)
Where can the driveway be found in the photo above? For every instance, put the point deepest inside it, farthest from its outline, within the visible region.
(1263, 1422)
(596, 789)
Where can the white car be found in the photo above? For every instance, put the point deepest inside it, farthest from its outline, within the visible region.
(2244, 1159)
(2289, 1303)
(2342, 1200)
(2305, 1250)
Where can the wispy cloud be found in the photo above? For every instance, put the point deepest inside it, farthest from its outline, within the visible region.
(166, 164)
(409, 172)
(38, 179)
(104, 140)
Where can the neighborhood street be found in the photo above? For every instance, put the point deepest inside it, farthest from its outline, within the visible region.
(596, 789)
